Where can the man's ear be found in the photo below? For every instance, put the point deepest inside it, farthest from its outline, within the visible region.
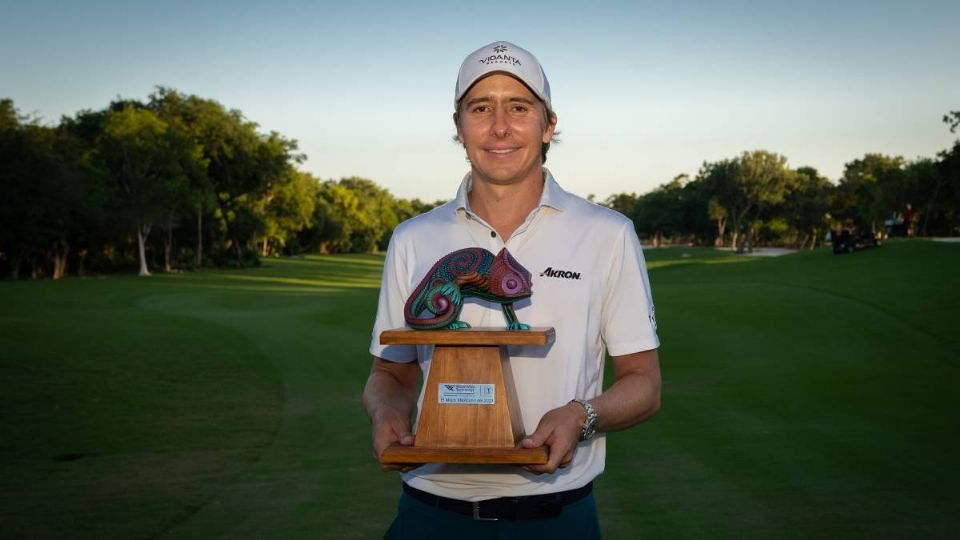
(456, 124)
(550, 128)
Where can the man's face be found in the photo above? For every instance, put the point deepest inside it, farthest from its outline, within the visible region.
(502, 125)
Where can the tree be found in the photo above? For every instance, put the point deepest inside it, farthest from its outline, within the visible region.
(197, 117)
(377, 210)
(324, 225)
(744, 187)
(948, 180)
(242, 164)
(419, 207)
(286, 209)
(42, 195)
(184, 113)
(149, 163)
(660, 212)
(625, 203)
(341, 218)
(249, 165)
(718, 214)
(948, 174)
(717, 185)
(806, 205)
(356, 215)
(943, 186)
(870, 190)
(952, 119)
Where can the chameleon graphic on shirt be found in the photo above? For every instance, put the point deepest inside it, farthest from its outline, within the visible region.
(465, 273)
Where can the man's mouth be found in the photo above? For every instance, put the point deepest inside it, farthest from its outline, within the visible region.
(501, 151)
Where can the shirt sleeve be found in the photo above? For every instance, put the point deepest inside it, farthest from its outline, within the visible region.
(394, 290)
(629, 323)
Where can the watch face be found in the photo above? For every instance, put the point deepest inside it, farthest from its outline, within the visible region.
(590, 429)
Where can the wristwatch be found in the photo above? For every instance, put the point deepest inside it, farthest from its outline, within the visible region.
(589, 428)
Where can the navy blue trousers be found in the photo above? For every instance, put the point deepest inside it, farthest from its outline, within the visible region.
(419, 521)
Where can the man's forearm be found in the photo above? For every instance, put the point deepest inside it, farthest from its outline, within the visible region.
(634, 396)
(391, 388)
(388, 398)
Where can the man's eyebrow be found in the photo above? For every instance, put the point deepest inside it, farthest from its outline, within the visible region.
(486, 99)
(474, 101)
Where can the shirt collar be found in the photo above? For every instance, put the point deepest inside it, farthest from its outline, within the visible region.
(553, 195)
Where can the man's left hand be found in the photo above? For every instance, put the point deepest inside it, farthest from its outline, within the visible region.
(559, 429)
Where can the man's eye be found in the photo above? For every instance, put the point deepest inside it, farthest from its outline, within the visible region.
(520, 108)
(481, 109)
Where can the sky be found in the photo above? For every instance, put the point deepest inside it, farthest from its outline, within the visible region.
(644, 91)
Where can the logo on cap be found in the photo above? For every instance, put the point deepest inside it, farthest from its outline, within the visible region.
(499, 48)
(500, 58)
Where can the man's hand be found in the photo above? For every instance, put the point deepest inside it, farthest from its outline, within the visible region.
(559, 429)
(388, 398)
(388, 431)
(633, 397)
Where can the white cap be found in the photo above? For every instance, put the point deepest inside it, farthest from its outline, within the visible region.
(502, 56)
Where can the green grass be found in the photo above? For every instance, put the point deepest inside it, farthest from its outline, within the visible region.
(805, 396)
(809, 395)
(196, 405)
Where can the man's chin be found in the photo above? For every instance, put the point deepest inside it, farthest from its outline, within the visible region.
(502, 177)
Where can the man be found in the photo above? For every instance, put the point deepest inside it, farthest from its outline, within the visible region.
(590, 283)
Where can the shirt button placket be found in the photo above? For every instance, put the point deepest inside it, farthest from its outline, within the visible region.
(495, 243)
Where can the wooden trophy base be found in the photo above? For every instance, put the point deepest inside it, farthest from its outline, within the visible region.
(488, 456)
(470, 412)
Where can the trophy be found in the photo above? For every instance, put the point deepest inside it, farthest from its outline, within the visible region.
(470, 411)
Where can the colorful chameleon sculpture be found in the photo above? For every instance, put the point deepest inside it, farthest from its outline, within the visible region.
(470, 272)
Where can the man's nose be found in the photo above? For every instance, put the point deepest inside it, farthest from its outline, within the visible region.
(501, 126)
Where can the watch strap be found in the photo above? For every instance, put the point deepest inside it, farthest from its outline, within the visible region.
(589, 427)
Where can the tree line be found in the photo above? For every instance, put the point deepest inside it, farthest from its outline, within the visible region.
(755, 198)
(178, 181)
(174, 182)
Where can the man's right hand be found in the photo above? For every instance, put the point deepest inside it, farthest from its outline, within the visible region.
(389, 399)
(389, 431)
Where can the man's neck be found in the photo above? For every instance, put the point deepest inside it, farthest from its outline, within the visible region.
(505, 207)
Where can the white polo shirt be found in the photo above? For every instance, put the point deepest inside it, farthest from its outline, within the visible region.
(589, 283)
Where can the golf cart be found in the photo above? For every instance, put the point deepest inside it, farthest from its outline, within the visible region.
(848, 240)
